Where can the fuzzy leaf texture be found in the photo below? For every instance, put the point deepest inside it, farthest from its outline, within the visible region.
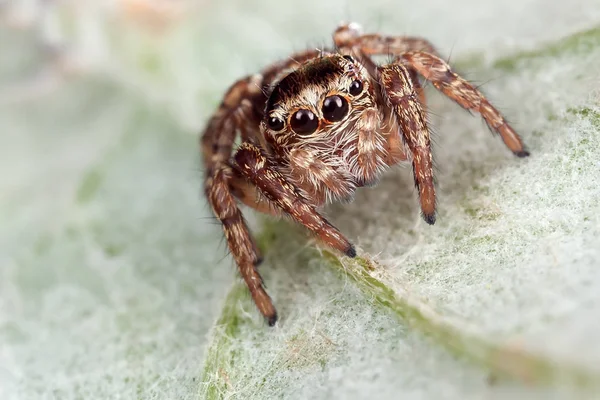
(114, 278)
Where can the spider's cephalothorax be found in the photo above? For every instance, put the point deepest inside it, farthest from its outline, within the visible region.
(321, 124)
(317, 122)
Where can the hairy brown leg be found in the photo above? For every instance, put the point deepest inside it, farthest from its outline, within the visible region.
(395, 146)
(217, 144)
(349, 36)
(399, 91)
(414, 77)
(403, 91)
(257, 168)
(248, 194)
(240, 242)
(438, 72)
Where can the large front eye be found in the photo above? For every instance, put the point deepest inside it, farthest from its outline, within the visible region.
(304, 122)
(335, 108)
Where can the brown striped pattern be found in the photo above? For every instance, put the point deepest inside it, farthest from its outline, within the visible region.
(258, 169)
(401, 94)
(217, 145)
(436, 70)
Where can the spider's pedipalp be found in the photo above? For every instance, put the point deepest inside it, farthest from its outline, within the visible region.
(436, 70)
(371, 149)
(400, 92)
(318, 177)
(257, 168)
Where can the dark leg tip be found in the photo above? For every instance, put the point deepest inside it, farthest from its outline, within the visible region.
(259, 260)
(521, 154)
(429, 218)
(350, 252)
(272, 320)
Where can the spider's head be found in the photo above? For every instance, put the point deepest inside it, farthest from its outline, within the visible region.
(318, 104)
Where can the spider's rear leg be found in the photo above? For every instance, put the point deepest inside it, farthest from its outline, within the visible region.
(258, 169)
(400, 91)
(350, 36)
(436, 70)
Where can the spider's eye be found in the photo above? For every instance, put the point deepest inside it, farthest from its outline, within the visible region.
(275, 124)
(356, 88)
(349, 58)
(335, 108)
(304, 122)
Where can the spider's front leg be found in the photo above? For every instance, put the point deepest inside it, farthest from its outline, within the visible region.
(217, 145)
(240, 241)
(401, 94)
(257, 168)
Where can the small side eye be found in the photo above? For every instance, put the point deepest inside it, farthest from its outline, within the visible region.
(349, 58)
(335, 108)
(356, 88)
(275, 124)
(304, 122)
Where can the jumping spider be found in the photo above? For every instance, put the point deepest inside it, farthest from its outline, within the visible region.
(319, 125)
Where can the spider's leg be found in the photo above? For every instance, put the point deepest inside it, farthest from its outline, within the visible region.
(396, 151)
(257, 168)
(248, 194)
(420, 55)
(217, 144)
(240, 241)
(436, 70)
(414, 77)
(349, 36)
(393, 148)
(400, 93)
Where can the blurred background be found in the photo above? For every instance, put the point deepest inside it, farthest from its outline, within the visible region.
(112, 271)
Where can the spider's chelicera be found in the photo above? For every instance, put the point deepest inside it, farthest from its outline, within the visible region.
(319, 125)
